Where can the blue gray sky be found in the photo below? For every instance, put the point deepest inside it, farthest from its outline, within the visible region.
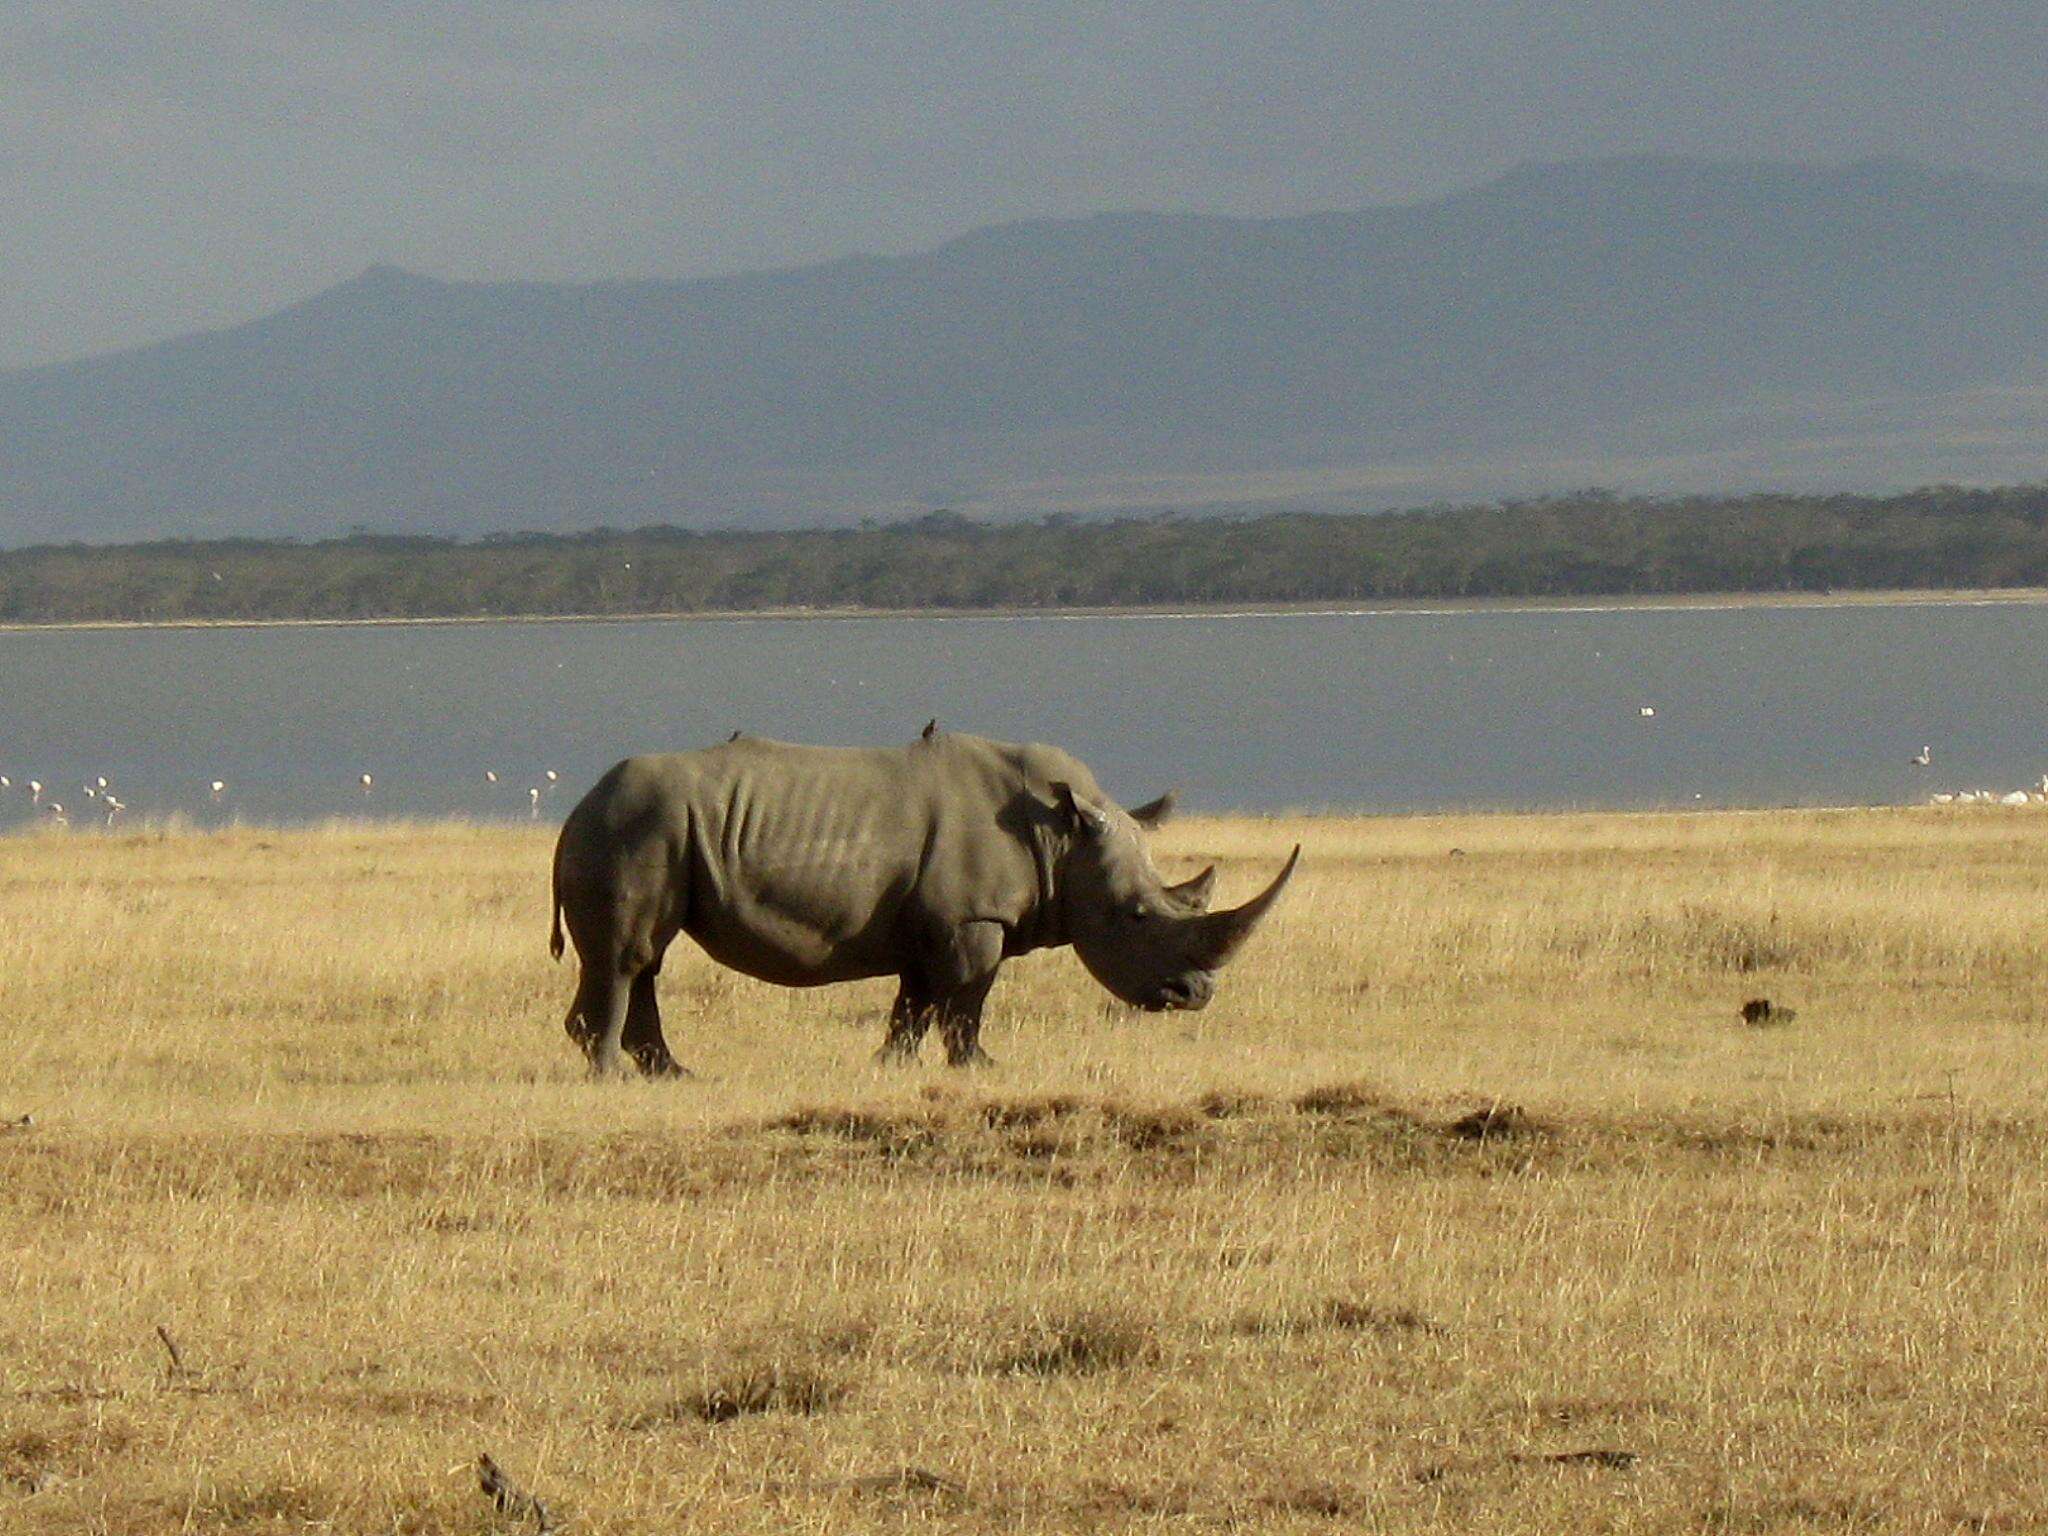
(172, 164)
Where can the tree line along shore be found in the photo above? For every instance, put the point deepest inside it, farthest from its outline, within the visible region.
(1591, 543)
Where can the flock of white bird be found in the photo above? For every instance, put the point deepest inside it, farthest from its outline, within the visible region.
(100, 792)
(2038, 795)
(104, 803)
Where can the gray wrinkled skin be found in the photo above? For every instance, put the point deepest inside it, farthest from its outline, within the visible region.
(933, 863)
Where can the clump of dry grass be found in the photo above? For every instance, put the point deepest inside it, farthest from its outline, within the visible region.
(1353, 1098)
(1068, 1343)
(1496, 1122)
(770, 1388)
(1343, 1315)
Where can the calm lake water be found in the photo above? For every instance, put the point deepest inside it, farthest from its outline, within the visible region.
(1380, 711)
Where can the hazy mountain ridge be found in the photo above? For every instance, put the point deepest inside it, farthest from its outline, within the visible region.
(1560, 307)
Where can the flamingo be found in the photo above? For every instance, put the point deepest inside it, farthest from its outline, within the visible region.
(1647, 712)
(552, 777)
(1923, 758)
(219, 787)
(366, 781)
(533, 803)
(114, 807)
(35, 791)
(57, 814)
(491, 775)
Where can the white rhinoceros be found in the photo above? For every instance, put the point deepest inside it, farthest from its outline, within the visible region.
(933, 862)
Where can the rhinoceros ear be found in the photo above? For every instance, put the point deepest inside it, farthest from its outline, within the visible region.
(1085, 818)
(1153, 813)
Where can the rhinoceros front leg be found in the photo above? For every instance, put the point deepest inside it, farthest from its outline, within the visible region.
(909, 1017)
(945, 984)
(961, 971)
(960, 1024)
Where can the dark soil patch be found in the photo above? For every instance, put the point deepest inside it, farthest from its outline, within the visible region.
(1227, 1104)
(763, 1389)
(1496, 1122)
(1074, 1347)
(1342, 1099)
(1340, 1315)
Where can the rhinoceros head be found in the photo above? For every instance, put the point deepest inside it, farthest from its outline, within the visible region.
(1152, 944)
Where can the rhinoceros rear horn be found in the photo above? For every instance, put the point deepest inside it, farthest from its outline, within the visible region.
(1193, 895)
(1220, 935)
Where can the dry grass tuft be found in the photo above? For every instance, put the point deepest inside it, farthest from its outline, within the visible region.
(1341, 1315)
(752, 1389)
(1071, 1344)
(1234, 1104)
(1016, 1114)
(895, 1133)
(1343, 1099)
(1496, 1122)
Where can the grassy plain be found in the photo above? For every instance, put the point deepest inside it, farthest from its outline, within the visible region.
(1471, 1166)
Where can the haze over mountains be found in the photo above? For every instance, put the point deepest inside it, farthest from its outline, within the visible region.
(1652, 324)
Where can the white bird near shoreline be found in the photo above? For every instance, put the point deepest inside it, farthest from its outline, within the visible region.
(1923, 758)
(366, 781)
(1648, 712)
(218, 787)
(490, 775)
(35, 791)
(533, 803)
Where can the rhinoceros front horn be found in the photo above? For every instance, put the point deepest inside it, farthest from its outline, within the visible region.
(1219, 935)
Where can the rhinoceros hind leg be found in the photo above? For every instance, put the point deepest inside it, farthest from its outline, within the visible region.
(579, 1030)
(603, 1000)
(643, 1039)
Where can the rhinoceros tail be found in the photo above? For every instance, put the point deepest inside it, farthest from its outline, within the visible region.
(555, 902)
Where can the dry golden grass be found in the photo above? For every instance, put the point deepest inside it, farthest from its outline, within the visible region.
(1471, 1166)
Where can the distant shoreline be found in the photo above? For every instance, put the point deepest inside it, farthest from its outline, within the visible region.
(1620, 603)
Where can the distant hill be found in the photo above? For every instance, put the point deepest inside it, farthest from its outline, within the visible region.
(1653, 323)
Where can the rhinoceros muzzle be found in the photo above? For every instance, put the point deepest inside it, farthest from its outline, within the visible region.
(1183, 994)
